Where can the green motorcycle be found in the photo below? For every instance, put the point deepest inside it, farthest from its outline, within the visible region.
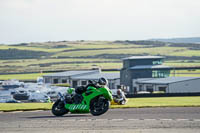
(92, 98)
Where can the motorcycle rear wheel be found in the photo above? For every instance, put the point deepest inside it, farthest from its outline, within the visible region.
(58, 108)
(99, 107)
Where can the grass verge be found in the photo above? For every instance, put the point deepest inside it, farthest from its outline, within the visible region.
(132, 103)
(6, 107)
(161, 102)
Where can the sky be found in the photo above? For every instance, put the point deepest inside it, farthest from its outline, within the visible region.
(57, 20)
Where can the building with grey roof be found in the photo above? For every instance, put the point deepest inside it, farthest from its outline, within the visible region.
(143, 57)
(96, 76)
(79, 78)
(168, 85)
(72, 73)
(136, 67)
(112, 77)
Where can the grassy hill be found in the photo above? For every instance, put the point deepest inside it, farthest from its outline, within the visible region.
(180, 40)
(67, 55)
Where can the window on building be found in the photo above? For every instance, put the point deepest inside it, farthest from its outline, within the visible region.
(149, 89)
(55, 81)
(64, 81)
(109, 85)
(157, 62)
(47, 80)
(140, 88)
(127, 88)
(119, 87)
(74, 83)
(162, 89)
(83, 82)
(113, 85)
(160, 73)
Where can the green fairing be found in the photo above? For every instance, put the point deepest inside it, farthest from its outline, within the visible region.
(90, 93)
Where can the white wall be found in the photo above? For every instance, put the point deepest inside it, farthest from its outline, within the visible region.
(185, 87)
(116, 82)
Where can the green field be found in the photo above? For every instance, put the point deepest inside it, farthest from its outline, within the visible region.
(68, 55)
(132, 103)
(130, 50)
(32, 76)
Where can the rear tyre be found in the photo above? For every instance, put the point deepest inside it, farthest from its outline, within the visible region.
(99, 106)
(58, 108)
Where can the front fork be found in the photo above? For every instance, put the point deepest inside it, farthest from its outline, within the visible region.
(61, 97)
(100, 101)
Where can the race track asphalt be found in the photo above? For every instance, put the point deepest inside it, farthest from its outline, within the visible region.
(132, 120)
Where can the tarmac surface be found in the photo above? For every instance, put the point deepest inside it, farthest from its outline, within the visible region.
(132, 120)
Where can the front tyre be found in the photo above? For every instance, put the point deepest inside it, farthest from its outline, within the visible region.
(99, 106)
(58, 108)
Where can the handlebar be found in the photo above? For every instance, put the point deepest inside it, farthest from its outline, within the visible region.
(92, 82)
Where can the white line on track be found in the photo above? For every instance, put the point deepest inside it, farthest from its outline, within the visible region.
(82, 120)
(21, 111)
(70, 120)
(165, 119)
(150, 119)
(133, 119)
(16, 112)
(101, 119)
(36, 111)
(117, 119)
(182, 119)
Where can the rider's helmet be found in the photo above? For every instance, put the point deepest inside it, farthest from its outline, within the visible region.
(103, 82)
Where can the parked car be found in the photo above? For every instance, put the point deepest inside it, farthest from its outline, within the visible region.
(39, 97)
(13, 101)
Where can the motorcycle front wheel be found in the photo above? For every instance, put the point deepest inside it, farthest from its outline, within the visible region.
(99, 106)
(58, 108)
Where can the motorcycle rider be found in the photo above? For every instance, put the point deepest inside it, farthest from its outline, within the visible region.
(120, 98)
(76, 93)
